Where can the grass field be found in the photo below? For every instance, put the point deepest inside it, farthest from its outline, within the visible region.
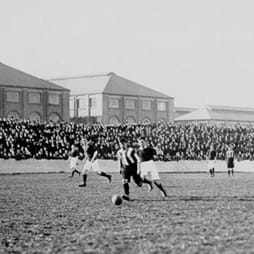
(49, 213)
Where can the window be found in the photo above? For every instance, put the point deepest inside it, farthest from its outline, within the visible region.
(161, 106)
(146, 121)
(82, 103)
(35, 116)
(71, 103)
(147, 104)
(34, 98)
(114, 121)
(54, 99)
(114, 103)
(12, 96)
(130, 120)
(129, 104)
(72, 107)
(54, 117)
(93, 103)
(13, 115)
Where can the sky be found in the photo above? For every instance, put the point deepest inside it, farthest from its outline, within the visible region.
(197, 51)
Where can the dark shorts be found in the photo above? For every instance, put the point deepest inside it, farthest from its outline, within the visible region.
(230, 163)
(131, 171)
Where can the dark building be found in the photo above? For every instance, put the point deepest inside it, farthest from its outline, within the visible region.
(27, 97)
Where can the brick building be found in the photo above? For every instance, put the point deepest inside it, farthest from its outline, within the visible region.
(27, 97)
(114, 100)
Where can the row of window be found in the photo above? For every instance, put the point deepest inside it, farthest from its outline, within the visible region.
(33, 97)
(114, 103)
(34, 116)
(130, 120)
(146, 104)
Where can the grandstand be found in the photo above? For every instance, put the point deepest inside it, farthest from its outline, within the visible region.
(222, 115)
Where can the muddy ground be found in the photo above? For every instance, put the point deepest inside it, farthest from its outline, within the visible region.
(49, 213)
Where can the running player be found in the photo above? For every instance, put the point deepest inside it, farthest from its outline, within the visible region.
(91, 163)
(127, 159)
(211, 157)
(147, 166)
(74, 156)
(230, 160)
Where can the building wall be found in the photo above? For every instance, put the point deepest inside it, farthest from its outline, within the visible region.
(108, 113)
(24, 109)
(137, 114)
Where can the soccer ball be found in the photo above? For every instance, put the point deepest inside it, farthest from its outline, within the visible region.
(116, 200)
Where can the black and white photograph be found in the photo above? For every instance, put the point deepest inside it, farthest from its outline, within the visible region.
(126, 127)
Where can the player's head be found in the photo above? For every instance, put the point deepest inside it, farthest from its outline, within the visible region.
(141, 142)
(123, 143)
(230, 147)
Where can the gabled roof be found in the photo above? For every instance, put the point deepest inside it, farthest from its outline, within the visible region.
(229, 108)
(219, 113)
(200, 114)
(12, 77)
(184, 109)
(109, 83)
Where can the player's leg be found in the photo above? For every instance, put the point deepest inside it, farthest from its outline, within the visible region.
(84, 173)
(75, 171)
(84, 178)
(148, 182)
(156, 180)
(97, 169)
(125, 181)
(159, 185)
(73, 163)
(144, 172)
(135, 176)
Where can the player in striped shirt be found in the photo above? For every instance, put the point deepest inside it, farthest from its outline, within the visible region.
(230, 160)
(127, 159)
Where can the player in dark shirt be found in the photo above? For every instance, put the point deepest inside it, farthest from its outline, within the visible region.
(147, 166)
(91, 163)
(211, 157)
(230, 160)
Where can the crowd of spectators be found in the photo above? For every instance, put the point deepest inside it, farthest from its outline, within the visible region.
(23, 139)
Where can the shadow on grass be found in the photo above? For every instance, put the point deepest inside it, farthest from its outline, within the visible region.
(198, 198)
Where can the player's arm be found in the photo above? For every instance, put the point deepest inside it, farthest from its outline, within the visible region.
(85, 158)
(129, 155)
(138, 163)
(94, 156)
(119, 162)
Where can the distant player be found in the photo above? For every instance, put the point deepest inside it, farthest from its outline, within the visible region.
(147, 166)
(127, 159)
(230, 160)
(211, 157)
(74, 157)
(91, 163)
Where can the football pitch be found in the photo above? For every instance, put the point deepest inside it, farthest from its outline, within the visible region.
(49, 213)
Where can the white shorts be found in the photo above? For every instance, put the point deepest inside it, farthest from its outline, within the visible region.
(91, 167)
(149, 170)
(211, 164)
(73, 162)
